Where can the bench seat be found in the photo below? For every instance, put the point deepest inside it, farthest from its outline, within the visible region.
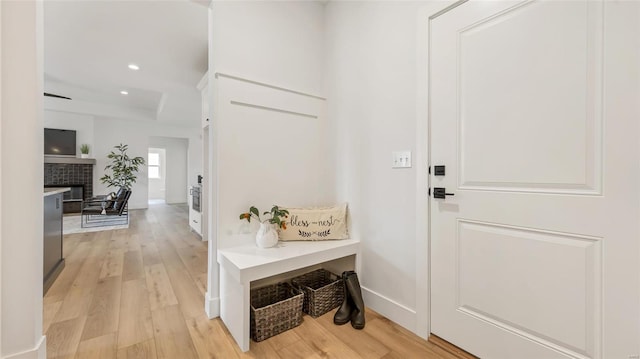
(241, 265)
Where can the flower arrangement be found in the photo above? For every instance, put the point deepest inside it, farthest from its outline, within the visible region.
(275, 216)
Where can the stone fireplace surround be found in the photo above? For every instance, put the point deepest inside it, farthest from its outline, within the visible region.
(70, 172)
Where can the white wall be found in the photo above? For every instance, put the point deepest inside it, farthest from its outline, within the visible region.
(82, 124)
(157, 187)
(279, 43)
(373, 77)
(110, 132)
(369, 70)
(21, 180)
(176, 175)
(268, 158)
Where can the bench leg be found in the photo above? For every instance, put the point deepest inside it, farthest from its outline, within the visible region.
(234, 308)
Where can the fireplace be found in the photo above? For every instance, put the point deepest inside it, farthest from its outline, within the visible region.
(71, 200)
(75, 194)
(74, 173)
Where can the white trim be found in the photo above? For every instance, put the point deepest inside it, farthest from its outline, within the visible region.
(212, 298)
(422, 249)
(211, 306)
(204, 81)
(219, 74)
(402, 315)
(39, 352)
(1, 82)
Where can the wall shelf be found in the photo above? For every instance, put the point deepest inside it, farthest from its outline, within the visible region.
(70, 160)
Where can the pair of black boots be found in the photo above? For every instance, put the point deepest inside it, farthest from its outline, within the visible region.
(352, 308)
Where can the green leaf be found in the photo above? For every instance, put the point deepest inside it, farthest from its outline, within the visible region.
(123, 168)
(254, 210)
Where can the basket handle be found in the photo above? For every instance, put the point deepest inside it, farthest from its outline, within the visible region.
(294, 289)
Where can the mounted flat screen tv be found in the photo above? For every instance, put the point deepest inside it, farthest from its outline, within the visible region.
(59, 142)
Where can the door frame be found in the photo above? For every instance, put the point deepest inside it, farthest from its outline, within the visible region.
(423, 160)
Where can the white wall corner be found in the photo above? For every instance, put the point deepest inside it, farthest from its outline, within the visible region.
(21, 310)
(212, 306)
(398, 313)
(39, 352)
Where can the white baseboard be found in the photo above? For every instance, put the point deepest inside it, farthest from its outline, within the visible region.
(211, 306)
(391, 309)
(39, 352)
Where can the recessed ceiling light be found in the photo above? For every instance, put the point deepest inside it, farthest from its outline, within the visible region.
(123, 92)
(134, 67)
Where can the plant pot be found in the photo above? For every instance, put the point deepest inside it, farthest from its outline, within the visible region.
(267, 236)
(84, 155)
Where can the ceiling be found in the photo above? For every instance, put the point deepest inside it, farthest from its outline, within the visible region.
(88, 45)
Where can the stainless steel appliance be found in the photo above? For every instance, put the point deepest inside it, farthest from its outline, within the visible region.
(196, 195)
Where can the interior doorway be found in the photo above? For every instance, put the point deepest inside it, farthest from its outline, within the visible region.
(167, 170)
(156, 170)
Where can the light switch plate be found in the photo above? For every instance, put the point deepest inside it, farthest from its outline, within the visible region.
(401, 159)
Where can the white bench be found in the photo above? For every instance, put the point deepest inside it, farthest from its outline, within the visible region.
(239, 266)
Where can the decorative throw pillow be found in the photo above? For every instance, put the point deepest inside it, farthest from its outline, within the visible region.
(312, 224)
(108, 202)
(119, 200)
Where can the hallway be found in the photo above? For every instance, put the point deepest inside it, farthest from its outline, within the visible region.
(139, 293)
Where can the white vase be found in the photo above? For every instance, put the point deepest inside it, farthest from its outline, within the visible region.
(84, 155)
(267, 236)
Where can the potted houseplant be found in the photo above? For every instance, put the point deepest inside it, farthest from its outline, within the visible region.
(123, 168)
(267, 235)
(84, 150)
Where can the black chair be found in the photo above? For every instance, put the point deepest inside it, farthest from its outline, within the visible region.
(100, 211)
(114, 195)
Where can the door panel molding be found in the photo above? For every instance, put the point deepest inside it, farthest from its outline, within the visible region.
(571, 263)
(570, 109)
(526, 334)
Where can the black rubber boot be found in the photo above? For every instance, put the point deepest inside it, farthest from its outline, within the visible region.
(355, 294)
(343, 314)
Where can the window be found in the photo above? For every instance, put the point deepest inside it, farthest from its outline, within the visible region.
(154, 165)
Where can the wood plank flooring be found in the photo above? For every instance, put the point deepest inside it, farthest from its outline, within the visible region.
(139, 293)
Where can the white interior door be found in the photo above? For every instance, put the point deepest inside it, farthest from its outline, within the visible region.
(534, 113)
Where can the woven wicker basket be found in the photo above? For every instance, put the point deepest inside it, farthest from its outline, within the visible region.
(322, 290)
(274, 309)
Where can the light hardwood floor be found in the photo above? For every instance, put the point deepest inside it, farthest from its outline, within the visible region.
(139, 293)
